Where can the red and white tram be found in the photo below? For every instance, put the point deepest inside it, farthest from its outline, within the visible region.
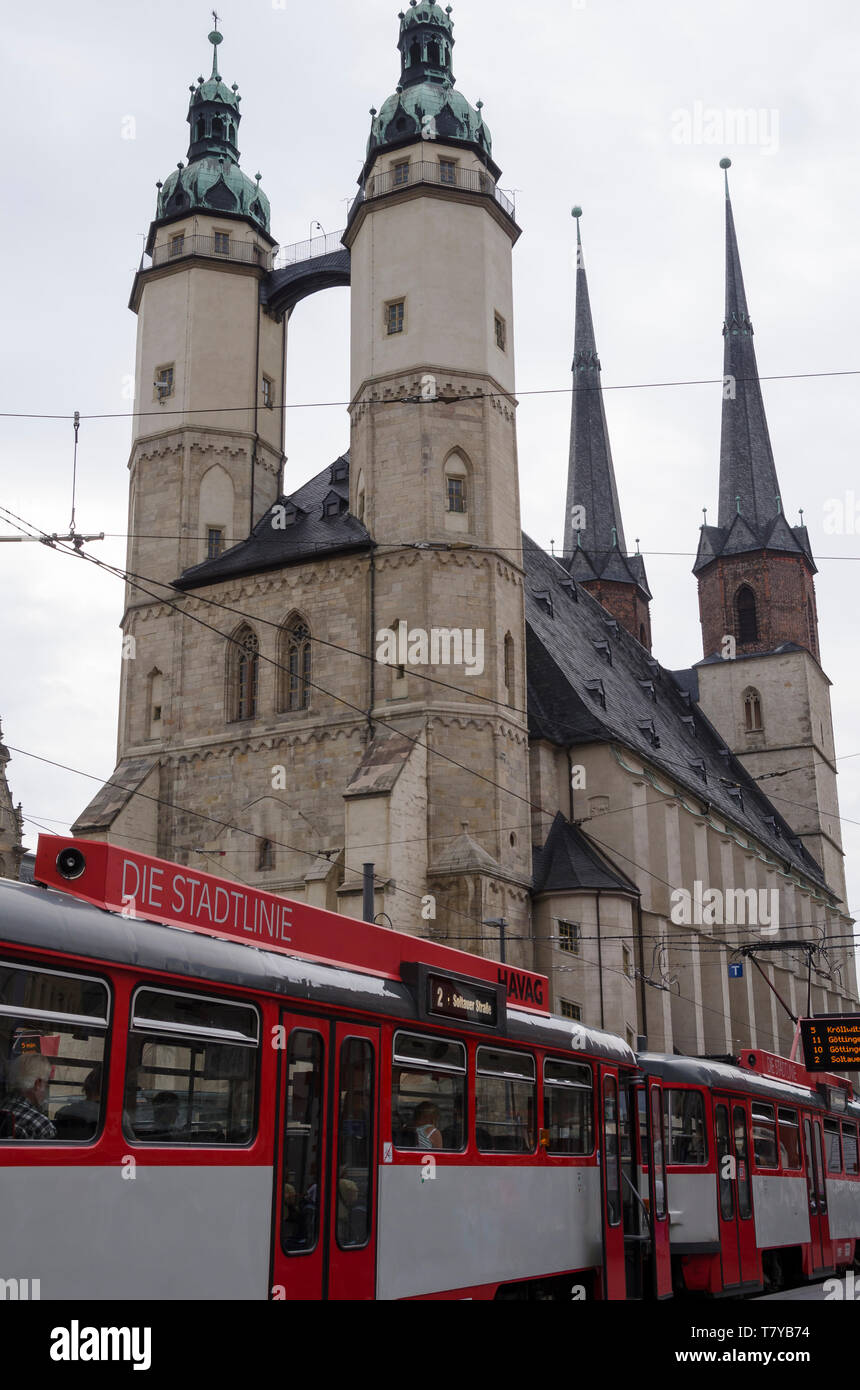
(209, 1091)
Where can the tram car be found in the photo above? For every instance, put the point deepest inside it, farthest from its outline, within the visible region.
(210, 1091)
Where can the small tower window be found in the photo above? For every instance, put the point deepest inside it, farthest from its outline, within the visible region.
(752, 711)
(217, 129)
(245, 665)
(401, 171)
(456, 494)
(156, 697)
(509, 667)
(394, 315)
(747, 618)
(501, 333)
(265, 855)
(568, 1009)
(268, 393)
(447, 171)
(201, 129)
(177, 244)
(222, 243)
(214, 542)
(434, 58)
(163, 382)
(414, 54)
(569, 937)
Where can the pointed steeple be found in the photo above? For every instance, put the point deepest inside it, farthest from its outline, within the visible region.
(594, 545)
(748, 482)
(752, 535)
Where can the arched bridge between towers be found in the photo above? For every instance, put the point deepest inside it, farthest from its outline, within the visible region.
(302, 269)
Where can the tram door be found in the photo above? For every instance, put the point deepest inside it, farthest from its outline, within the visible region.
(324, 1237)
(738, 1250)
(816, 1192)
(659, 1192)
(614, 1270)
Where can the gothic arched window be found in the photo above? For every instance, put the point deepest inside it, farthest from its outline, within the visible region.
(201, 129)
(747, 618)
(217, 129)
(414, 54)
(458, 502)
(433, 55)
(752, 710)
(244, 667)
(295, 664)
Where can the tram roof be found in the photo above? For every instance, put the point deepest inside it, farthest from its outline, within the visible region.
(701, 1071)
(44, 919)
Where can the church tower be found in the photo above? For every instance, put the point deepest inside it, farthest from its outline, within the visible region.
(594, 547)
(207, 451)
(761, 682)
(433, 470)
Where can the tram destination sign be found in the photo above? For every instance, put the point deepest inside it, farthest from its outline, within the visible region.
(831, 1042)
(464, 1000)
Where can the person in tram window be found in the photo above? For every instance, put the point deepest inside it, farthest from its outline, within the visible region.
(27, 1082)
(165, 1113)
(426, 1126)
(79, 1119)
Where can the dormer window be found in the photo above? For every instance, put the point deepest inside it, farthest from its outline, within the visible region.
(646, 728)
(596, 691)
(570, 588)
(700, 769)
(690, 723)
(647, 688)
(603, 649)
(339, 471)
(544, 597)
(612, 625)
(333, 504)
(737, 795)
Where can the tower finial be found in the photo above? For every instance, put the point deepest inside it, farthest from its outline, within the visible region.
(215, 38)
(577, 213)
(725, 165)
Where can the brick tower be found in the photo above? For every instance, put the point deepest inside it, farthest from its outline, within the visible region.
(761, 682)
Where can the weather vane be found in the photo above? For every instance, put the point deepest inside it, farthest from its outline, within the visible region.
(215, 17)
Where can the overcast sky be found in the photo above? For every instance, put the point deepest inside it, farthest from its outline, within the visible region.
(622, 107)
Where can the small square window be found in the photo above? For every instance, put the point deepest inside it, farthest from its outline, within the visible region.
(394, 314)
(456, 494)
(177, 244)
(447, 171)
(501, 333)
(569, 937)
(214, 542)
(570, 1010)
(222, 243)
(163, 382)
(268, 393)
(401, 172)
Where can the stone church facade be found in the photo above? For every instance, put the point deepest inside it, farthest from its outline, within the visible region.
(518, 768)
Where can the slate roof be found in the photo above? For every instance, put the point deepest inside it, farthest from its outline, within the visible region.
(570, 640)
(568, 861)
(596, 551)
(751, 516)
(310, 535)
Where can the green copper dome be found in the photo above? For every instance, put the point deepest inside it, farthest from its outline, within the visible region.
(212, 180)
(426, 102)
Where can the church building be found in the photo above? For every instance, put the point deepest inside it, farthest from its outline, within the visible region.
(380, 668)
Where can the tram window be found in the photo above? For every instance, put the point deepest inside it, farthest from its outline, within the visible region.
(789, 1139)
(742, 1158)
(612, 1160)
(724, 1150)
(832, 1147)
(355, 1144)
(658, 1133)
(191, 1070)
(686, 1116)
(765, 1149)
(568, 1107)
(849, 1147)
(300, 1215)
(505, 1101)
(53, 1030)
(428, 1093)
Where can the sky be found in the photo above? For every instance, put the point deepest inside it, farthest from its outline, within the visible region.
(620, 107)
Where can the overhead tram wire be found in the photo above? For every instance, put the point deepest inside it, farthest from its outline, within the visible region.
(418, 400)
(123, 575)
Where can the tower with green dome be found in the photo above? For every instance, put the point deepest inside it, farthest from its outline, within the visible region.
(433, 455)
(207, 451)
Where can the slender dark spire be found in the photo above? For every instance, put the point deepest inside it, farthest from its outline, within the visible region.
(747, 469)
(593, 531)
(751, 514)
